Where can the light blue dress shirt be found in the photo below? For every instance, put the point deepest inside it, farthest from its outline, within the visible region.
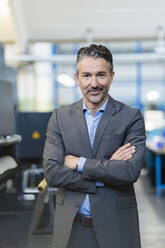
(92, 123)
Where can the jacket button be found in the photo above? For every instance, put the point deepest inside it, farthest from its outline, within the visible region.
(77, 204)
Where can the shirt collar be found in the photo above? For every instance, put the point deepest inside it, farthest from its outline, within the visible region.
(102, 108)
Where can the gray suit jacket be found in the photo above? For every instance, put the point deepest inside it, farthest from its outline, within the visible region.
(113, 207)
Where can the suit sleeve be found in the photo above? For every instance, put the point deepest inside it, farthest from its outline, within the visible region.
(56, 173)
(117, 172)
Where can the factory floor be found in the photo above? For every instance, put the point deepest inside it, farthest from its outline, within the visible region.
(16, 215)
(151, 214)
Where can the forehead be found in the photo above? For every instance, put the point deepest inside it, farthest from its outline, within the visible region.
(90, 64)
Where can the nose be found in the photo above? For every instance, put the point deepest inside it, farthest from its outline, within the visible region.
(94, 82)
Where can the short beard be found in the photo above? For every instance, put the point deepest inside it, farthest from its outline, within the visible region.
(100, 88)
(103, 96)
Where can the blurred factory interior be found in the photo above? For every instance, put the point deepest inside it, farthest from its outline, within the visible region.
(39, 41)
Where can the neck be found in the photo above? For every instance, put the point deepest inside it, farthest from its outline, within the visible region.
(93, 107)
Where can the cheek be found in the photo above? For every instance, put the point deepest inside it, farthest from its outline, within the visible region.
(107, 84)
(83, 89)
(83, 86)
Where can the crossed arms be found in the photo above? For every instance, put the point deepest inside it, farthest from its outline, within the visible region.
(123, 153)
(123, 167)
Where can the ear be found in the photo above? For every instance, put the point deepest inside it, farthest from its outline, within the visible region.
(112, 75)
(76, 77)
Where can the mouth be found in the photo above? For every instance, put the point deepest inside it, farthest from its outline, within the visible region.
(94, 93)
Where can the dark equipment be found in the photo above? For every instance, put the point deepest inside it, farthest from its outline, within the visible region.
(8, 138)
(32, 127)
(7, 122)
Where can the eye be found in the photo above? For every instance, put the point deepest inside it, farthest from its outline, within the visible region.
(86, 76)
(101, 75)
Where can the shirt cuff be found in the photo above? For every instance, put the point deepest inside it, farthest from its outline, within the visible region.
(80, 164)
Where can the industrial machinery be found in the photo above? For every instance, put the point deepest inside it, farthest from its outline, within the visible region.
(8, 138)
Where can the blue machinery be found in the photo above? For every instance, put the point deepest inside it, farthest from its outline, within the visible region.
(157, 162)
(159, 185)
(158, 171)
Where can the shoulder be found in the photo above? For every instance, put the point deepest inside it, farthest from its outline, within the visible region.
(67, 110)
(63, 115)
(124, 108)
(124, 111)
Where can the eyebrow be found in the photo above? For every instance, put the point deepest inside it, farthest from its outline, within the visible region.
(88, 72)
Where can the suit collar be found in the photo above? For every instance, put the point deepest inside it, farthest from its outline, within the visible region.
(82, 127)
(102, 108)
(111, 109)
(106, 119)
(111, 103)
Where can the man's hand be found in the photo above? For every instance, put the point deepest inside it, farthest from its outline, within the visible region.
(71, 161)
(124, 152)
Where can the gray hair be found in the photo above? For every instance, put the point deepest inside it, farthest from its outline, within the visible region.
(96, 51)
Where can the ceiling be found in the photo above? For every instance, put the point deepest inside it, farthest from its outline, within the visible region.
(52, 20)
(7, 31)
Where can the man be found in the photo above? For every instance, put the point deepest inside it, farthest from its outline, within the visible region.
(94, 153)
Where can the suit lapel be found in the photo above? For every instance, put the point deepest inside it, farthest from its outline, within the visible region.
(82, 127)
(106, 118)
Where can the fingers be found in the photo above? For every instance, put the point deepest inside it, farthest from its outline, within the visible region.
(67, 159)
(125, 146)
(124, 152)
(122, 148)
(128, 155)
(71, 161)
(129, 150)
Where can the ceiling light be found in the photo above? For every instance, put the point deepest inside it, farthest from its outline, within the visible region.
(66, 80)
(152, 95)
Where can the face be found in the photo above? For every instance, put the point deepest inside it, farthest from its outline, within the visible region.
(94, 78)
